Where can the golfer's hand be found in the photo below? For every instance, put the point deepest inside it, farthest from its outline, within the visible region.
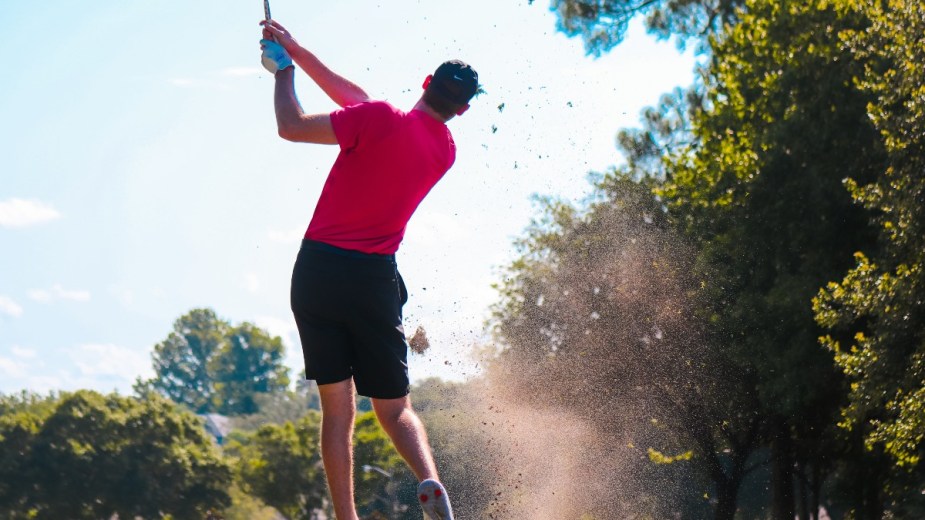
(274, 57)
(272, 30)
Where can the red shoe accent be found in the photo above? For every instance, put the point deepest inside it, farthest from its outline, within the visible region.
(437, 492)
(423, 498)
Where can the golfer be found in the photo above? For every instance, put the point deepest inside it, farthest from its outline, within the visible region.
(347, 294)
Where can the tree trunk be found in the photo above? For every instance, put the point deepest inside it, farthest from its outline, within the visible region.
(873, 505)
(726, 495)
(868, 480)
(804, 492)
(816, 488)
(729, 482)
(782, 503)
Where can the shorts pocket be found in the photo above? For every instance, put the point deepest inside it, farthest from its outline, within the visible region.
(402, 290)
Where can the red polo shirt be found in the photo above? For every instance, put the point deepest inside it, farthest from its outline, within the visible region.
(389, 160)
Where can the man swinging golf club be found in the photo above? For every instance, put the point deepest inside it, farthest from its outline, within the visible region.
(347, 294)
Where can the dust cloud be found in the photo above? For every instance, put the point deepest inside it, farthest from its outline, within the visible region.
(539, 464)
(599, 361)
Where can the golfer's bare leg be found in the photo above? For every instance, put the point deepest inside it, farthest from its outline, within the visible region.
(408, 434)
(338, 411)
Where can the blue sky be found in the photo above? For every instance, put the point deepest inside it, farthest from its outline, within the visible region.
(141, 175)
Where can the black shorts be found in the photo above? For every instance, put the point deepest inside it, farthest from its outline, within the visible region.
(347, 306)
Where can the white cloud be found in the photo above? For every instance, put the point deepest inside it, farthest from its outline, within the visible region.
(111, 361)
(286, 236)
(99, 367)
(10, 307)
(18, 213)
(58, 293)
(23, 352)
(17, 375)
(11, 368)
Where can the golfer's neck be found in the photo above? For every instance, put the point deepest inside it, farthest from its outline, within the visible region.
(424, 107)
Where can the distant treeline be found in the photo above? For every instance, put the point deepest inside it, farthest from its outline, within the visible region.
(83, 455)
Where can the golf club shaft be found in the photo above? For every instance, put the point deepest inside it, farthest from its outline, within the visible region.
(266, 9)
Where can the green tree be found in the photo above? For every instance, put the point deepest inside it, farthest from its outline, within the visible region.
(603, 25)
(746, 189)
(21, 417)
(875, 315)
(247, 507)
(209, 366)
(184, 361)
(281, 465)
(250, 364)
(96, 456)
(760, 189)
(281, 407)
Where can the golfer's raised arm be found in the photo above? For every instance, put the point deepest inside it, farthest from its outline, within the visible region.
(291, 122)
(340, 89)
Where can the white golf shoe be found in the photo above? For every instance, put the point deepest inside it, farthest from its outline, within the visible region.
(434, 500)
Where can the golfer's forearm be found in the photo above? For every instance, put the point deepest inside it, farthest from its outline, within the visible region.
(288, 110)
(340, 89)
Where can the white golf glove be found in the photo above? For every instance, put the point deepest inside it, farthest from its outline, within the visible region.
(274, 57)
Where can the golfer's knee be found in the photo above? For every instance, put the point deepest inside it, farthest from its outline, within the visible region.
(392, 411)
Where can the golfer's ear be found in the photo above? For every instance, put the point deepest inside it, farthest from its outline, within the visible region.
(427, 81)
(462, 110)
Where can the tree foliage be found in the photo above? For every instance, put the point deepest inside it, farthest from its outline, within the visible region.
(182, 362)
(247, 507)
(761, 190)
(250, 365)
(876, 314)
(765, 202)
(90, 456)
(281, 407)
(281, 465)
(602, 24)
(209, 366)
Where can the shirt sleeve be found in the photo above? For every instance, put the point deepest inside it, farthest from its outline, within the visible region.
(355, 124)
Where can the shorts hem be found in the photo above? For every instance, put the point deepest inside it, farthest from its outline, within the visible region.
(329, 380)
(384, 395)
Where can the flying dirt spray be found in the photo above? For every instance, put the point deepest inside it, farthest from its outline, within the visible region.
(597, 354)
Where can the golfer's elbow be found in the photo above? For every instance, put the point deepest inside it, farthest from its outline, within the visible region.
(307, 129)
(285, 131)
(289, 128)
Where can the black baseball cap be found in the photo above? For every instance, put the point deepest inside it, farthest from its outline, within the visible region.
(456, 81)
